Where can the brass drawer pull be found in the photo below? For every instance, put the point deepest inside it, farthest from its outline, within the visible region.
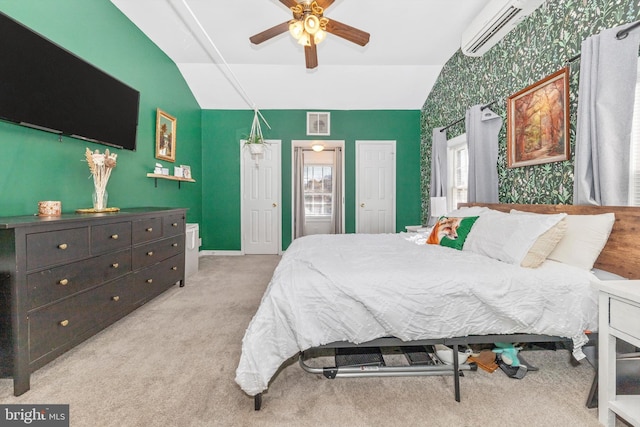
(116, 298)
(63, 246)
(150, 253)
(114, 237)
(150, 229)
(175, 224)
(115, 265)
(174, 268)
(149, 280)
(175, 245)
(64, 282)
(64, 322)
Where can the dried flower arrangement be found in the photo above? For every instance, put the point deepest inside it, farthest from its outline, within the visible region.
(100, 165)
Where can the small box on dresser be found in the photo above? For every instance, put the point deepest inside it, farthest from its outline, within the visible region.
(63, 279)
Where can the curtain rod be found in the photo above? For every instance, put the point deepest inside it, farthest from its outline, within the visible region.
(620, 35)
(462, 119)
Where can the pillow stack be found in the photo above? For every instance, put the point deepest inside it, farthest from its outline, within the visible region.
(524, 238)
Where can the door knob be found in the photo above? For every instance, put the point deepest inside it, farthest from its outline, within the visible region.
(362, 205)
(275, 205)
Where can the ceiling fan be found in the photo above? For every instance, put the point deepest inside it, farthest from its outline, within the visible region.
(309, 26)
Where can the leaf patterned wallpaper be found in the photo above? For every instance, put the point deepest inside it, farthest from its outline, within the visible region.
(542, 44)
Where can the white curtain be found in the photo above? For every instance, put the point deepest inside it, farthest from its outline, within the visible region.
(608, 67)
(336, 210)
(483, 126)
(298, 192)
(438, 164)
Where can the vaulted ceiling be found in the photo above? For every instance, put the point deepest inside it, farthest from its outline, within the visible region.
(209, 42)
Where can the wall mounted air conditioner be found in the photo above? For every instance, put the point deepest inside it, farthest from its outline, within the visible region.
(494, 22)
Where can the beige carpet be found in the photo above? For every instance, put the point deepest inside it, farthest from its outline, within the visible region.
(172, 363)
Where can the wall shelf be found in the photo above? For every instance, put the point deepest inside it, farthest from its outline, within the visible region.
(156, 176)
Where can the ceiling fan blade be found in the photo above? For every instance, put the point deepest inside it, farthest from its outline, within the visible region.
(311, 55)
(269, 33)
(325, 3)
(348, 32)
(289, 3)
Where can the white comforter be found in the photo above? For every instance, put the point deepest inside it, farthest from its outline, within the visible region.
(360, 287)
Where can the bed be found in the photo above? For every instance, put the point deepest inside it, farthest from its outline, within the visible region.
(363, 290)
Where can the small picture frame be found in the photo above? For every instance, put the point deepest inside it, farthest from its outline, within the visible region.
(165, 136)
(318, 123)
(178, 172)
(186, 171)
(538, 122)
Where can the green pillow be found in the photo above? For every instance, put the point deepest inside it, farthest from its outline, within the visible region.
(451, 231)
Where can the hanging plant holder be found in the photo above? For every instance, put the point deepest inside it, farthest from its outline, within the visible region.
(255, 141)
(256, 148)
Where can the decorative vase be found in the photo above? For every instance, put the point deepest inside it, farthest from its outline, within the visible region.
(100, 199)
(256, 148)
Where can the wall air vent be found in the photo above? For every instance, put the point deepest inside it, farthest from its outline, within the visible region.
(493, 23)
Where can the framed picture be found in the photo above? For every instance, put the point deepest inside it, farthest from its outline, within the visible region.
(186, 171)
(318, 123)
(165, 136)
(538, 122)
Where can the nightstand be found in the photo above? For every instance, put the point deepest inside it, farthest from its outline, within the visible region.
(619, 315)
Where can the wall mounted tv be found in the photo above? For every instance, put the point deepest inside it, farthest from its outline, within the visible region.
(44, 86)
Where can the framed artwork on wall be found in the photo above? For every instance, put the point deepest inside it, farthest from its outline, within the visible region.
(538, 122)
(318, 123)
(165, 136)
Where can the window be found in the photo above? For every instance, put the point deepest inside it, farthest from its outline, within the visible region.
(318, 190)
(458, 171)
(634, 158)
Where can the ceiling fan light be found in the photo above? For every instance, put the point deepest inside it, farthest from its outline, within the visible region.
(319, 36)
(311, 24)
(296, 28)
(304, 39)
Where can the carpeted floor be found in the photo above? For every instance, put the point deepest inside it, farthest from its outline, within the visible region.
(172, 363)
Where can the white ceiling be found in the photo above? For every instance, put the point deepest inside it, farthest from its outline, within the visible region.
(410, 42)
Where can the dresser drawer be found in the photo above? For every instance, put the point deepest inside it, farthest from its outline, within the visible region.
(110, 237)
(173, 225)
(50, 285)
(56, 325)
(154, 252)
(146, 229)
(624, 317)
(55, 247)
(153, 280)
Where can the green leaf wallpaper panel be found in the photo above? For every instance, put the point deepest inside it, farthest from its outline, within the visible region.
(542, 44)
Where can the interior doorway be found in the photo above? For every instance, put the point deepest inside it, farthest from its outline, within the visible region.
(375, 186)
(261, 199)
(317, 187)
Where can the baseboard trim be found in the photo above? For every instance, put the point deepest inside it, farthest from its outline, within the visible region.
(221, 253)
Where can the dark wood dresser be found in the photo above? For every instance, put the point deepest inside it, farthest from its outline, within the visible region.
(63, 279)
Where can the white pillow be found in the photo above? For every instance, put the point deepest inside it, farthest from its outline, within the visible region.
(508, 237)
(584, 239)
(466, 211)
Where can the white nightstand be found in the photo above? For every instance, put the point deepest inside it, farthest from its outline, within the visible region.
(619, 318)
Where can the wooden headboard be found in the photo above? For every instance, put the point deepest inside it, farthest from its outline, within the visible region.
(621, 254)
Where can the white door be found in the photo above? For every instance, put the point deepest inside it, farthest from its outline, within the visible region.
(375, 187)
(260, 181)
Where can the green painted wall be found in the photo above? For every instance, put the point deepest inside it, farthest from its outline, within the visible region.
(35, 166)
(222, 131)
(539, 46)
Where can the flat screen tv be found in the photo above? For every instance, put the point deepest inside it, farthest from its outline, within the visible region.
(44, 86)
